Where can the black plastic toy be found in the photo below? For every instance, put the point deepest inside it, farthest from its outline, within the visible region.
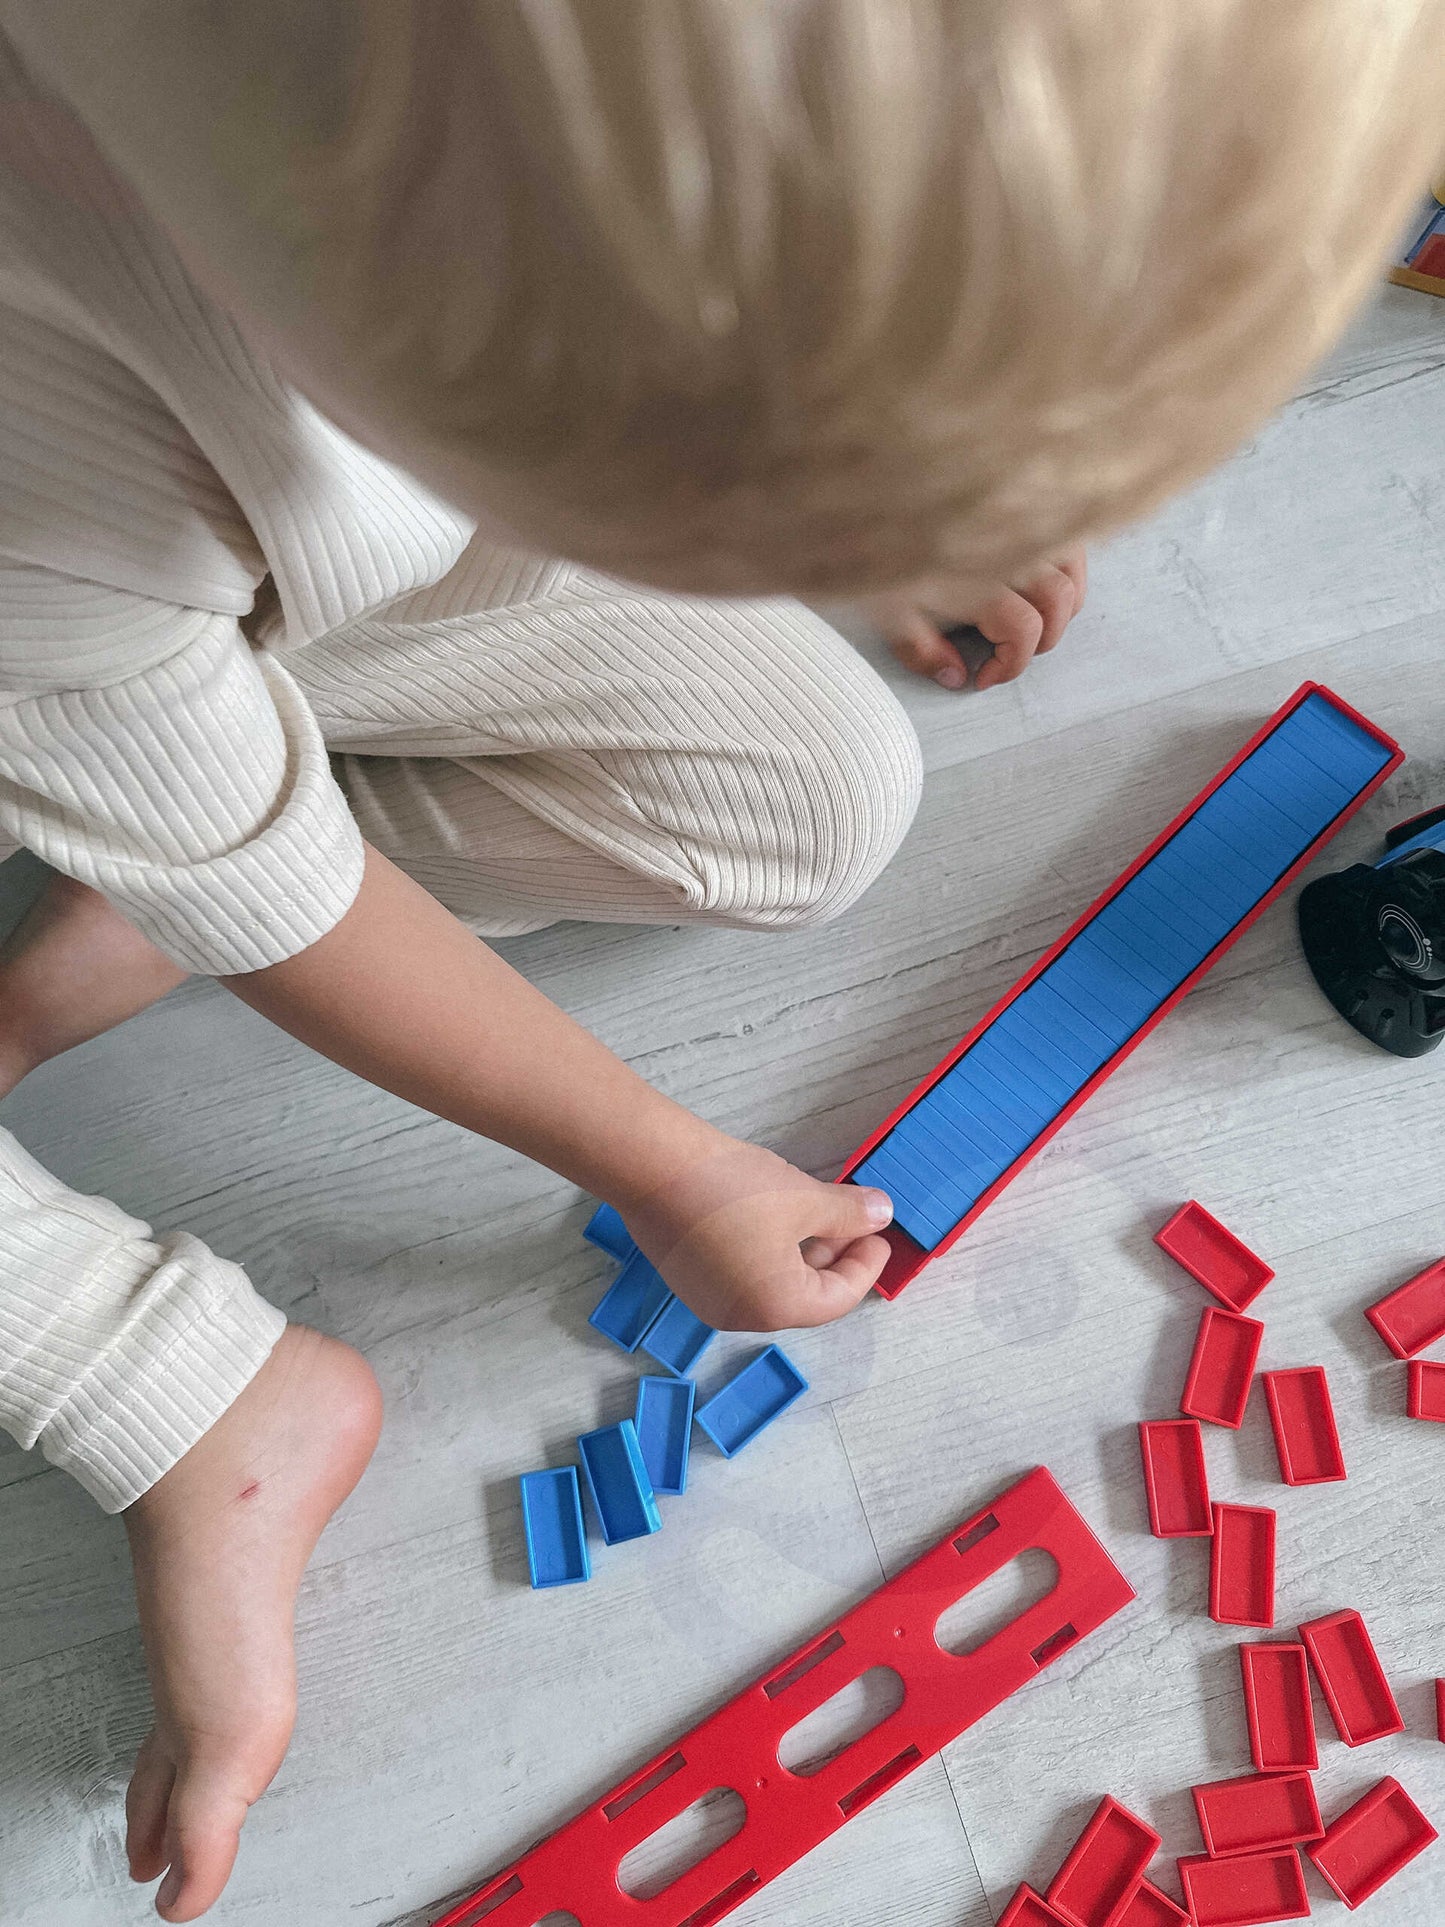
(1375, 939)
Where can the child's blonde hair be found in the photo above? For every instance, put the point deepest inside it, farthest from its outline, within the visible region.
(821, 294)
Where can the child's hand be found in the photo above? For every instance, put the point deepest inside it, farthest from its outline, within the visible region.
(752, 1244)
(1021, 622)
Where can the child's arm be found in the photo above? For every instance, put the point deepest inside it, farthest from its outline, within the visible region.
(403, 995)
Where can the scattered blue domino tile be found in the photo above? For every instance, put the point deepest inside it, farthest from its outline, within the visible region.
(678, 1338)
(617, 1479)
(748, 1403)
(606, 1230)
(631, 1304)
(552, 1522)
(664, 1429)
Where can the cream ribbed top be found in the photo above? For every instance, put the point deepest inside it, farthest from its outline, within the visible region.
(145, 748)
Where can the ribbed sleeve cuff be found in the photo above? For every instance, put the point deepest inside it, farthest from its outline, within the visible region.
(192, 1336)
(274, 895)
(117, 1350)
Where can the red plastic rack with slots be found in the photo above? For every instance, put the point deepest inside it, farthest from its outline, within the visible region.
(908, 1257)
(787, 1815)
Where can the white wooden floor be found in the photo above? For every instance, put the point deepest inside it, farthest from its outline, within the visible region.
(449, 1715)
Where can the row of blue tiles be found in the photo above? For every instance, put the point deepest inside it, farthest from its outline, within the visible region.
(1058, 1033)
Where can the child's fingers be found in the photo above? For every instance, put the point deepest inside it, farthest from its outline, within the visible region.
(827, 1294)
(1015, 628)
(1053, 594)
(920, 645)
(146, 1799)
(1075, 565)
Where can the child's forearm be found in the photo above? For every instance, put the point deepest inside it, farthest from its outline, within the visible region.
(403, 995)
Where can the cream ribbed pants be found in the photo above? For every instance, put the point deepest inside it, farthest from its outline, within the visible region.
(580, 750)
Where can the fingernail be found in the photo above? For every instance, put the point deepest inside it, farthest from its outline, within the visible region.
(170, 1889)
(879, 1207)
(950, 678)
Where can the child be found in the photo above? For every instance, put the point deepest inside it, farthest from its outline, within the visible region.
(727, 298)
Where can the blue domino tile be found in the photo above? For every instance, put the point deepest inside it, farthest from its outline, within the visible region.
(1086, 1043)
(1304, 803)
(1220, 858)
(1029, 1055)
(1152, 936)
(1204, 925)
(1001, 1058)
(927, 1133)
(632, 1303)
(975, 1084)
(606, 1230)
(965, 1111)
(1110, 982)
(1339, 746)
(664, 1430)
(1193, 862)
(1105, 939)
(1269, 842)
(552, 1522)
(748, 1403)
(618, 1482)
(1069, 978)
(678, 1338)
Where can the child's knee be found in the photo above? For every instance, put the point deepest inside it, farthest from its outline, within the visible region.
(829, 817)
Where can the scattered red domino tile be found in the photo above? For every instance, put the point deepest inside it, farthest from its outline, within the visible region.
(1214, 1256)
(1250, 1891)
(1427, 1390)
(1302, 1418)
(1241, 1566)
(1175, 1479)
(1099, 1879)
(1352, 1678)
(1222, 1368)
(1278, 1706)
(1150, 1908)
(1413, 1316)
(1440, 1710)
(1372, 1842)
(1028, 1909)
(1257, 1813)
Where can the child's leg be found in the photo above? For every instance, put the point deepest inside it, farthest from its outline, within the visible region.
(152, 1372)
(71, 969)
(585, 749)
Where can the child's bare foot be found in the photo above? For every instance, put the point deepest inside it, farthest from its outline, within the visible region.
(219, 1545)
(72, 968)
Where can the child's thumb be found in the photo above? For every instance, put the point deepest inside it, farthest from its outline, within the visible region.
(853, 1211)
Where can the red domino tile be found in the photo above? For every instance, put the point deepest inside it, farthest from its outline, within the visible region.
(1257, 1813)
(1214, 1256)
(1150, 1908)
(1175, 1478)
(1222, 1368)
(1278, 1707)
(1303, 1420)
(1028, 1909)
(1414, 1316)
(1100, 1876)
(1440, 1710)
(1370, 1843)
(1241, 1566)
(1251, 1891)
(1427, 1390)
(1352, 1678)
